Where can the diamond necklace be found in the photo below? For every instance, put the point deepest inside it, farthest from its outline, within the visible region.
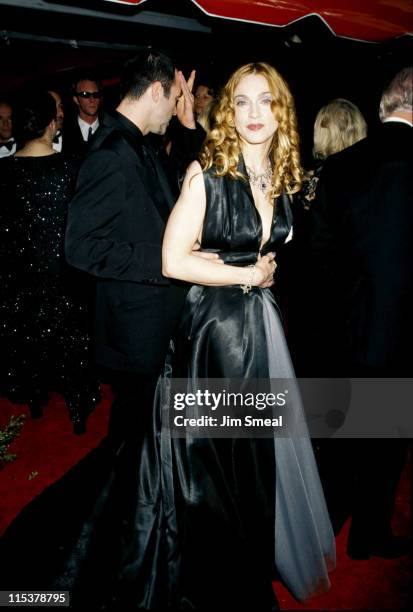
(262, 181)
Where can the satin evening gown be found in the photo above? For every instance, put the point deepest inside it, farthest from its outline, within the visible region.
(201, 523)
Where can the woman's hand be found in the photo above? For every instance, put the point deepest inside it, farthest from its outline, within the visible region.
(264, 271)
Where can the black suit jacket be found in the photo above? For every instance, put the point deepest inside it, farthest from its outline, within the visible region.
(72, 139)
(115, 229)
(363, 234)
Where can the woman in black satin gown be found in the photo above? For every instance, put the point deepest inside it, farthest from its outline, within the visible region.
(214, 520)
(43, 315)
(198, 523)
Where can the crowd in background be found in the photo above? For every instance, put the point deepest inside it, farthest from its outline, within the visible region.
(45, 321)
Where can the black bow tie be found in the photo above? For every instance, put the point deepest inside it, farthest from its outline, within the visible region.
(9, 144)
(57, 137)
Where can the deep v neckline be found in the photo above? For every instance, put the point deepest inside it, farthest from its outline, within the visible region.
(258, 216)
(242, 168)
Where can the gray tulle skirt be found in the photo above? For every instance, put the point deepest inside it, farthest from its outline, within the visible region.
(304, 548)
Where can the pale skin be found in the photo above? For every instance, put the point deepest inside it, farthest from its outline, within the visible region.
(202, 98)
(184, 228)
(60, 114)
(185, 105)
(42, 146)
(88, 107)
(403, 114)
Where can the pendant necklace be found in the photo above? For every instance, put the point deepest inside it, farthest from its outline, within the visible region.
(262, 181)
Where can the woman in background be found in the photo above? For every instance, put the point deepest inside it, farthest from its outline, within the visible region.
(204, 95)
(338, 125)
(204, 101)
(44, 318)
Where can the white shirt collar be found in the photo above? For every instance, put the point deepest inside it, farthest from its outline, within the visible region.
(397, 120)
(4, 152)
(84, 127)
(57, 146)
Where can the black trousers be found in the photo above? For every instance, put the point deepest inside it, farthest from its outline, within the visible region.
(132, 404)
(360, 479)
(377, 468)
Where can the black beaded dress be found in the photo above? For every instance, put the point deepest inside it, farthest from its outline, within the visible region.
(43, 310)
(196, 523)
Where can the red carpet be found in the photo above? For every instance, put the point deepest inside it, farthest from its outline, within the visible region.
(47, 448)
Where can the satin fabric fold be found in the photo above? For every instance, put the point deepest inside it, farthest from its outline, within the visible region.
(304, 538)
(224, 505)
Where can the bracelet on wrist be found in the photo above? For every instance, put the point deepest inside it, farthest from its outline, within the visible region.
(247, 288)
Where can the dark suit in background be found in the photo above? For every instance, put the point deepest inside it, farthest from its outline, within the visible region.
(364, 236)
(72, 138)
(363, 245)
(115, 230)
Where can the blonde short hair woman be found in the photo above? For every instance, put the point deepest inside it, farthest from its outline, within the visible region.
(338, 125)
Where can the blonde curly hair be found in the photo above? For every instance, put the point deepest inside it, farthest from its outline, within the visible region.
(222, 148)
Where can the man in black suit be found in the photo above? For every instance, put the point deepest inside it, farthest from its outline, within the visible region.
(88, 98)
(364, 237)
(115, 229)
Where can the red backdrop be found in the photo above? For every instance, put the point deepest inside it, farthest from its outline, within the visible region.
(372, 20)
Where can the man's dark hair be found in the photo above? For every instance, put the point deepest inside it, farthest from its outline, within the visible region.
(146, 68)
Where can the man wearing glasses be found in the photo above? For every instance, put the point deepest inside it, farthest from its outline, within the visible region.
(87, 96)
